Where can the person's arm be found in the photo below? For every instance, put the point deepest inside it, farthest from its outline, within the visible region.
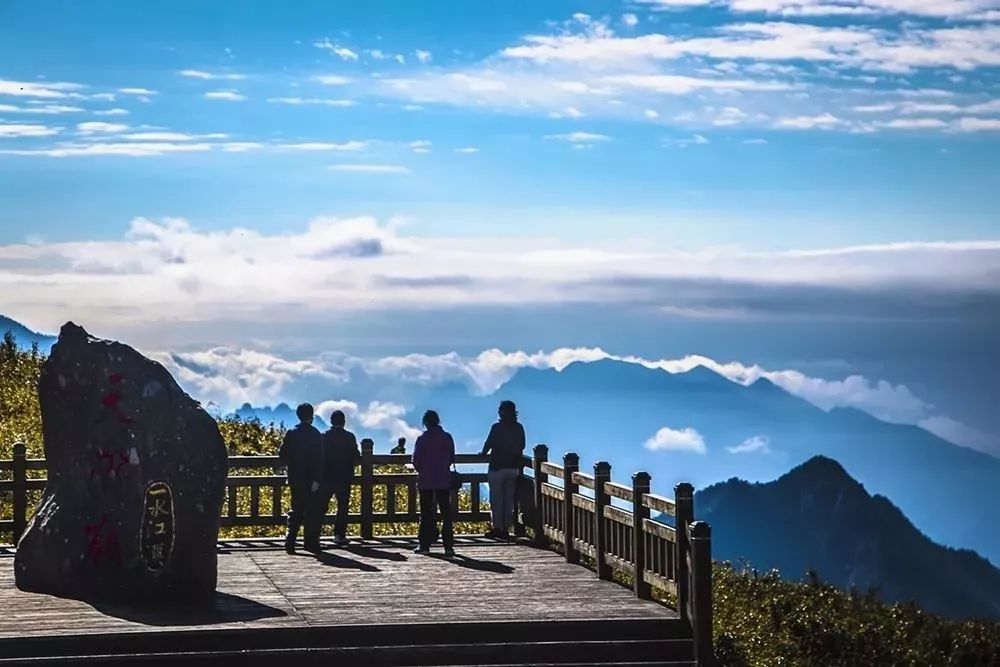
(451, 450)
(521, 439)
(285, 450)
(418, 453)
(490, 441)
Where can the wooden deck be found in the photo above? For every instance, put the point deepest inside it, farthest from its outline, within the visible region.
(376, 582)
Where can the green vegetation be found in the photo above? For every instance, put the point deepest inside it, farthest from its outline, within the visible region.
(762, 620)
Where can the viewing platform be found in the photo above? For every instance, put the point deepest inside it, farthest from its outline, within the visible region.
(576, 587)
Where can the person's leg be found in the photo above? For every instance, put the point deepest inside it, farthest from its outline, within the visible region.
(447, 532)
(343, 506)
(428, 526)
(509, 497)
(315, 516)
(494, 479)
(295, 513)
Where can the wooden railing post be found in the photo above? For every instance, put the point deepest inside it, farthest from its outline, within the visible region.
(701, 592)
(602, 474)
(367, 489)
(541, 456)
(571, 464)
(640, 487)
(684, 499)
(20, 474)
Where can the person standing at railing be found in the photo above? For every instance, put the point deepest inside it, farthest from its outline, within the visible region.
(340, 455)
(433, 456)
(505, 447)
(301, 452)
(400, 447)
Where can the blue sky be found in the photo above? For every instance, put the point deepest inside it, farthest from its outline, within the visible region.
(810, 185)
(585, 116)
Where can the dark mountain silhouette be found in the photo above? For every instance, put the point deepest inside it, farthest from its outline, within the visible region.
(817, 517)
(25, 336)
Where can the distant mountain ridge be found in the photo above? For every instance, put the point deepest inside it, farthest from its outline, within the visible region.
(818, 517)
(25, 336)
(280, 415)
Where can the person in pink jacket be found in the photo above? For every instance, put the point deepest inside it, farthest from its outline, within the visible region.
(433, 456)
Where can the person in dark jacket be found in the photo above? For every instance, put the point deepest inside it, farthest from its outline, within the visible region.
(505, 447)
(301, 452)
(340, 454)
(433, 455)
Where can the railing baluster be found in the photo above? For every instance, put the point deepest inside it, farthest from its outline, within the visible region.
(541, 455)
(571, 464)
(684, 499)
(20, 475)
(367, 488)
(640, 487)
(602, 474)
(255, 501)
(276, 501)
(701, 593)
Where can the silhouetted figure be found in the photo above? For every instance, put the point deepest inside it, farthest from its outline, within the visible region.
(400, 447)
(505, 446)
(433, 455)
(340, 453)
(302, 453)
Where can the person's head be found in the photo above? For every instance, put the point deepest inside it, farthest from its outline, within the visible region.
(431, 419)
(401, 442)
(337, 418)
(507, 411)
(305, 413)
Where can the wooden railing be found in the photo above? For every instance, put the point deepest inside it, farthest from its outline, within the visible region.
(610, 525)
(588, 515)
(255, 478)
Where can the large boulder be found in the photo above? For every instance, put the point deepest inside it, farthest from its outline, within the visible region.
(136, 480)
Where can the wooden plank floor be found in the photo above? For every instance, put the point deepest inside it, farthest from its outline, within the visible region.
(373, 583)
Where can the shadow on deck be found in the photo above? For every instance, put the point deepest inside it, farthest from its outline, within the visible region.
(372, 602)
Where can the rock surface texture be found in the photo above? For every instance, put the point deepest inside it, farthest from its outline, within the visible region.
(136, 480)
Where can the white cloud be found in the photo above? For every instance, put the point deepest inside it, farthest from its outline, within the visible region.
(467, 149)
(341, 52)
(311, 101)
(227, 95)
(47, 109)
(651, 114)
(875, 108)
(934, 8)
(111, 112)
(44, 90)
(134, 149)
(423, 56)
(824, 121)
(96, 127)
(672, 84)
(144, 92)
(332, 79)
(370, 168)
(977, 124)
(210, 76)
(326, 146)
(26, 130)
(758, 444)
(630, 20)
(913, 124)
(420, 146)
(579, 137)
(683, 440)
